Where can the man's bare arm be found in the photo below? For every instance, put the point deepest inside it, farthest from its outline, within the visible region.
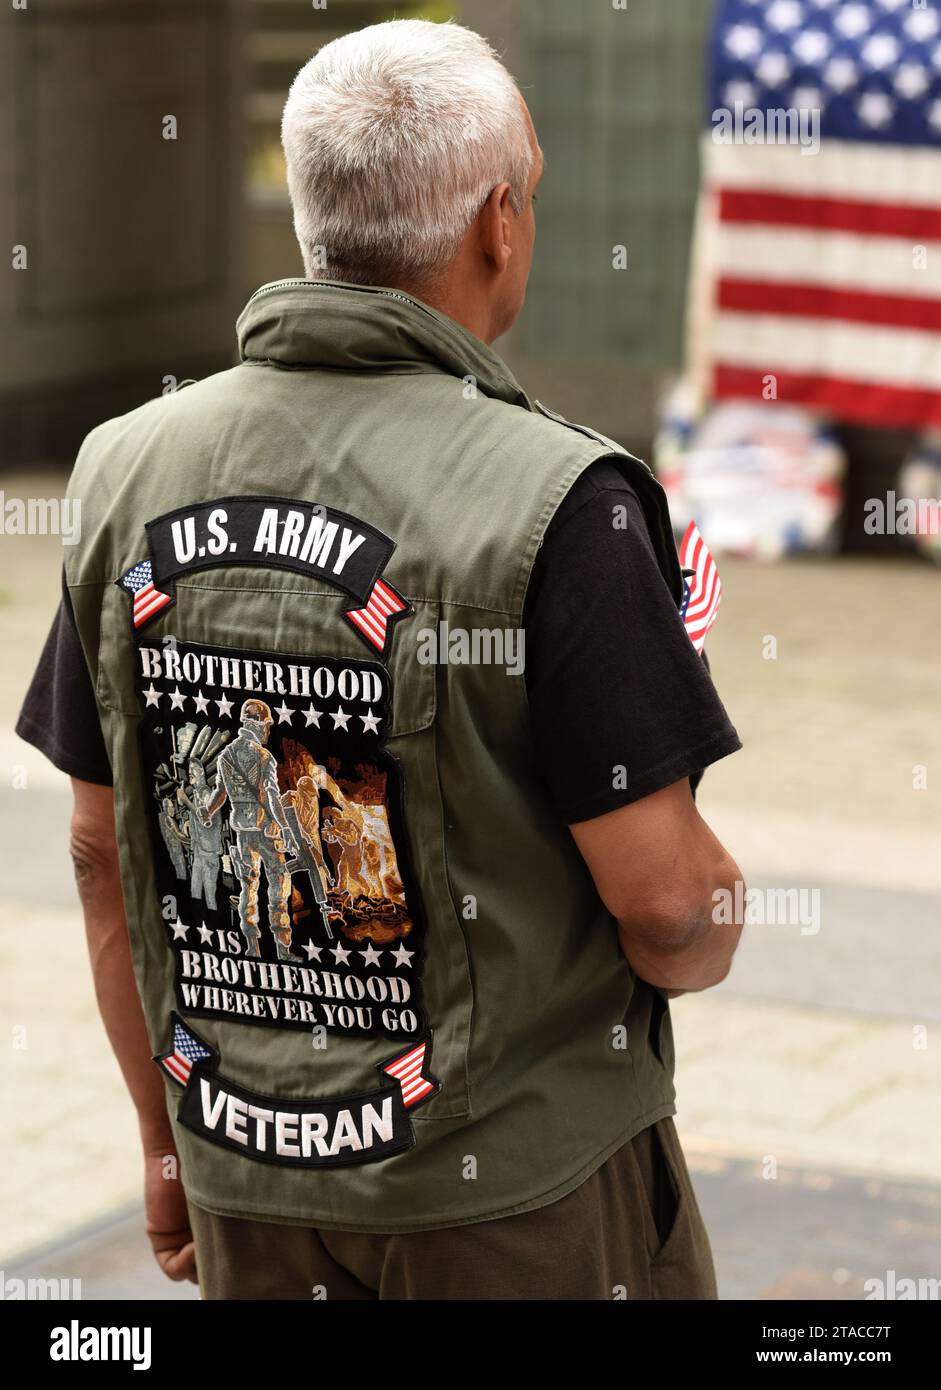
(95, 857)
(657, 866)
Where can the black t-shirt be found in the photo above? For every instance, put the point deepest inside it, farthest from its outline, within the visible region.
(621, 705)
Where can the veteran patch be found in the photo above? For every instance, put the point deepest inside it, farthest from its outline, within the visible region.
(278, 839)
(323, 1133)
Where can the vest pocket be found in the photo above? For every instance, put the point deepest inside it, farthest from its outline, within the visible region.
(447, 989)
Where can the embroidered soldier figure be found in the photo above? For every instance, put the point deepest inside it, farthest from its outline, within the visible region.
(248, 779)
(205, 839)
(172, 836)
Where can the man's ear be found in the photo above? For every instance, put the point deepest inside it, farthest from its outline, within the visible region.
(494, 221)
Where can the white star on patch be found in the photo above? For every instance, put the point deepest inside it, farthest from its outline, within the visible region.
(773, 69)
(784, 14)
(225, 707)
(371, 956)
(205, 934)
(875, 109)
(312, 716)
(177, 698)
(180, 929)
(892, 5)
(922, 25)
(401, 956)
(880, 51)
(284, 714)
(934, 114)
(840, 74)
(370, 722)
(152, 696)
(201, 703)
(911, 80)
(936, 56)
(852, 20)
(812, 46)
(341, 719)
(340, 954)
(743, 40)
(313, 952)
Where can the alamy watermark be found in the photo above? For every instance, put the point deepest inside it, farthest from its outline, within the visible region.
(898, 1288)
(477, 646)
(739, 124)
(41, 516)
(78, 1343)
(902, 516)
(35, 1290)
(768, 907)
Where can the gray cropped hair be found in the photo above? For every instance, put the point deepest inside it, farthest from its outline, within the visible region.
(394, 137)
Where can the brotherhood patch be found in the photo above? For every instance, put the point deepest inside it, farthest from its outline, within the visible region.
(278, 838)
(307, 538)
(321, 1133)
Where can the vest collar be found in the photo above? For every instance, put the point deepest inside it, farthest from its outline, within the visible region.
(364, 328)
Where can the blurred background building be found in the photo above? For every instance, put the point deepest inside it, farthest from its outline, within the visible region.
(142, 199)
(141, 249)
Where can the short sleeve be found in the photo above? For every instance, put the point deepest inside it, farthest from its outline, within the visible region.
(621, 704)
(60, 713)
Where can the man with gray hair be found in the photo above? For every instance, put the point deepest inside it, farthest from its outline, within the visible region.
(486, 1111)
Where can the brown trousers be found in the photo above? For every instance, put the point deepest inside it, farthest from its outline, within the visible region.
(632, 1230)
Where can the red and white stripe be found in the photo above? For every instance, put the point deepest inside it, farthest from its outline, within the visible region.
(407, 1070)
(705, 586)
(178, 1066)
(372, 621)
(805, 269)
(147, 602)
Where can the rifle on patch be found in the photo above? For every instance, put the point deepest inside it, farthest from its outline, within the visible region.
(307, 862)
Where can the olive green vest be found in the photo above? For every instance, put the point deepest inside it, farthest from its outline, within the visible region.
(458, 1035)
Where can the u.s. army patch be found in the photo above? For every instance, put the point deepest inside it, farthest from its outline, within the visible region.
(278, 840)
(310, 539)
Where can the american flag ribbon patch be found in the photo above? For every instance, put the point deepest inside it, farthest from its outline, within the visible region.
(703, 591)
(383, 607)
(148, 600)
(407, 1070)
(184, 1050)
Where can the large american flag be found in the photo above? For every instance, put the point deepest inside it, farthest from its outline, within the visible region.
(147, 600)
(823, 269)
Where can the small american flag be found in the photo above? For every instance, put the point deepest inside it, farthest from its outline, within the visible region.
(703, 587)
(147, 600)
(373, 620)
(806, 264)
(407, 1070)
(178, 1061)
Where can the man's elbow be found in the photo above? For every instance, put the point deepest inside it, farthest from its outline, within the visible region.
(682, 936)
(670, 925)
(94, 857)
